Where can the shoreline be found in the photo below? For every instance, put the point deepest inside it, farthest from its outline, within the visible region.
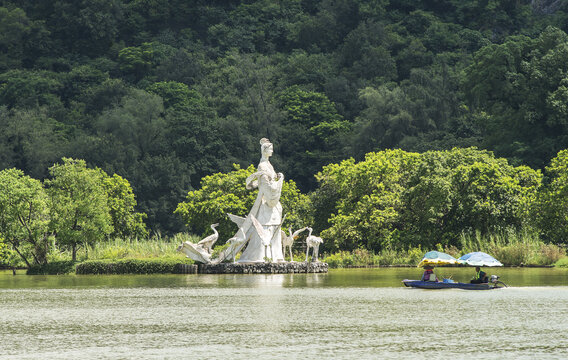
(264, 268)
(445, 266)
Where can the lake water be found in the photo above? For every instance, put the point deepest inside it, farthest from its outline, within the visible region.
(349, 314)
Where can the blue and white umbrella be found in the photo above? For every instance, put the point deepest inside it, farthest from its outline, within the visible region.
(437, 258)
(479, 258)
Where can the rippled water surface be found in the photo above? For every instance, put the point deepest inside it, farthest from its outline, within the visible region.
(353, 314)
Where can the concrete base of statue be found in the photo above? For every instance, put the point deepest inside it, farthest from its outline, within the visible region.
(263, 268)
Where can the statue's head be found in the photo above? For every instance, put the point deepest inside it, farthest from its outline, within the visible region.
(266, 147)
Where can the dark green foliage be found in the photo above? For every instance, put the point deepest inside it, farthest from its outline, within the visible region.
(29, 89)
(126, 222)
(166, 92)
(311, 134)
(131, 266)
(30, 140)
(53, 268)
(14, 27)
(521, 87)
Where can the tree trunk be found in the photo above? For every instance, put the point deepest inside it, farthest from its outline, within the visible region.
(41, 249)
(22, 256)
(74, 253)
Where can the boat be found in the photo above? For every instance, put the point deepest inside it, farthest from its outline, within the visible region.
(494, 283)
(437, 258)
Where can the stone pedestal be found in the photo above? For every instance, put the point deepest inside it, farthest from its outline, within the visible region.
(263, 268)
(186, 269)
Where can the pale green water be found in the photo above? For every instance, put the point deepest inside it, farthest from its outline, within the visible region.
(352, 314)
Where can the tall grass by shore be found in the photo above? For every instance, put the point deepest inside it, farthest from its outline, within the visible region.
(154, 247)
(512, 248)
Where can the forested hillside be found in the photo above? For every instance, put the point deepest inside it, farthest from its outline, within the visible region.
(165, 92)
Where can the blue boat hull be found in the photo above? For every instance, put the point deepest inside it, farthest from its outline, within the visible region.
(445, 285)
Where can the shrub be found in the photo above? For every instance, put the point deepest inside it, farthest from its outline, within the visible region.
(512, 254)
(132, 266)
(387, 257)
(339, 260)
(513, 247)
(563, 262)
(362, 257)
(52, 268)
(552, 253)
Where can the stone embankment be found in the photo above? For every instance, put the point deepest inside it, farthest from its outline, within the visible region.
(263, 268)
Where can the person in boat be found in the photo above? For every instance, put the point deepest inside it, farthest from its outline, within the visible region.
(428, 274)
(480, 277)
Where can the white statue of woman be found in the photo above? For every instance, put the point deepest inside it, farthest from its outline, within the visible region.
(267, 210)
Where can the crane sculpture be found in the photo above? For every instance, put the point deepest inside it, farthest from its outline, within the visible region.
(288, 240)
(207, 243)
(313, 242)
(235, 242)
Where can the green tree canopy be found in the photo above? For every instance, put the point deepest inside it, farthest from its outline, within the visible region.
(174, 94)
(312, 133)
(166, 92)
(30, 140)
(126, 221)
(28, 89)
(399, 199)
(79, 204)
(465, 190)
(551, 210)
(24, 216)
(365, 200)
(14, 28)
(521, 84)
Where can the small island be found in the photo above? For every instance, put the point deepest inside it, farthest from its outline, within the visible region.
(259, 239)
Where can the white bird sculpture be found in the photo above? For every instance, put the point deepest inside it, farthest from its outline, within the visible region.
(288, 241)
(195, 252)
(314, 243)
(234, 242)
(208, 242)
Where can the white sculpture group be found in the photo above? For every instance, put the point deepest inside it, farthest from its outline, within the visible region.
(261, 230)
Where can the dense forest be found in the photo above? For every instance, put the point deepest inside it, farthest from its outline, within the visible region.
(165, 92)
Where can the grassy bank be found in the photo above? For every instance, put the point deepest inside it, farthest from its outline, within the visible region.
(158, 254)
(119, 256)
(509, 247)
(154, 247)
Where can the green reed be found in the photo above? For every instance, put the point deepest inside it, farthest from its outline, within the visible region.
(155, 246)
(513, 247)
(509, 246)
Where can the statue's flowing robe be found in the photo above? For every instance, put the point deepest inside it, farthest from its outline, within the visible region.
(268, 211)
